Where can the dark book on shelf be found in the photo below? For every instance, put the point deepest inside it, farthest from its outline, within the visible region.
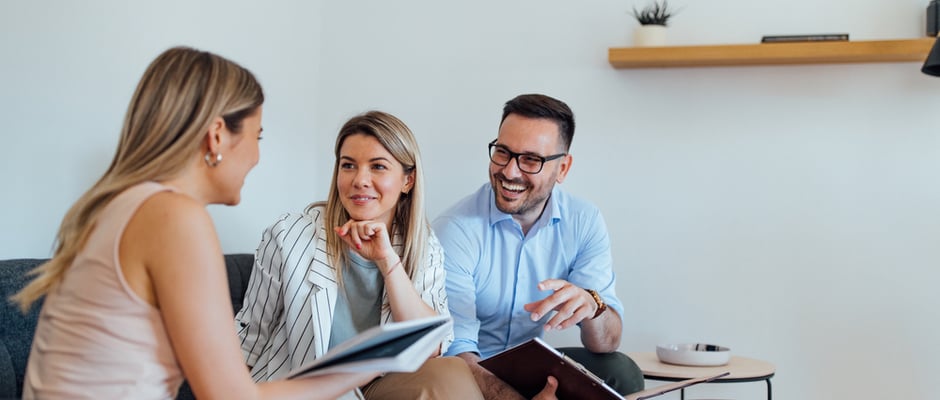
(816, 37)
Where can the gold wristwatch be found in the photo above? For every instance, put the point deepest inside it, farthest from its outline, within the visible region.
(601, 305)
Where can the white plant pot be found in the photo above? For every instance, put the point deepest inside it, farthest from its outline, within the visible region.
(649, 36)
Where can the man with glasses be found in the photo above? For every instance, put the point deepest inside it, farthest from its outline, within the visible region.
(523, 257)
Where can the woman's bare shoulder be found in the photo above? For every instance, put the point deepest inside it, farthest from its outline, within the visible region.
(172, 221)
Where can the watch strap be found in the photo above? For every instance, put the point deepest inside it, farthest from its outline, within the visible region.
(601, 305)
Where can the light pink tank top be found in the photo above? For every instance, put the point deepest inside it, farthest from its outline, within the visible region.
(95, 337)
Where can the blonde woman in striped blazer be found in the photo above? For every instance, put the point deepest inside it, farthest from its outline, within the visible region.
(364, 257)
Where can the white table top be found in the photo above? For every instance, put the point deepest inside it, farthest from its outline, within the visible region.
(741, 368)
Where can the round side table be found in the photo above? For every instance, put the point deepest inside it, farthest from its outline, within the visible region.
(742, 369)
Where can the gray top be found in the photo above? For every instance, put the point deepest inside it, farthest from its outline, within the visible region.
(359, 304)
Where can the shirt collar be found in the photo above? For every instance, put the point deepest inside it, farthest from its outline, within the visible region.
(551, 215)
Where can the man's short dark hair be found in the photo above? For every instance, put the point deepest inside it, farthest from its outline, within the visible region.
(542, 106)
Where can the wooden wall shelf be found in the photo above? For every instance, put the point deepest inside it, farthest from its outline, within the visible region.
(771, 53)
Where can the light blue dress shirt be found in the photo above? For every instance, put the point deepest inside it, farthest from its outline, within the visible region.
(493, 269)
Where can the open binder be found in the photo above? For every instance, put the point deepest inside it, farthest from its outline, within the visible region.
(393, 347)
(526, 368)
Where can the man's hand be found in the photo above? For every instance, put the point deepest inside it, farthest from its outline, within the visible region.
(548, 393)
(573, 304)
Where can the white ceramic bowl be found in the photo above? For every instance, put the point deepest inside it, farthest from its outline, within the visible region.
(693, 354)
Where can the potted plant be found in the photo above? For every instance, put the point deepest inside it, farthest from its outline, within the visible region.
(653, 19)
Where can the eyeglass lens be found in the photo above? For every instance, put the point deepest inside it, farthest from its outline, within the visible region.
(526, 162)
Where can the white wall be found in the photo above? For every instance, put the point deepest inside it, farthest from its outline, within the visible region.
(69, 69)
(789, 212)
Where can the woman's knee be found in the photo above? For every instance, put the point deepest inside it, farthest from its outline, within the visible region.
(438, 378)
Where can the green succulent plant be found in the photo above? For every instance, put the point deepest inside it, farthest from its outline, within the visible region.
(654, 14)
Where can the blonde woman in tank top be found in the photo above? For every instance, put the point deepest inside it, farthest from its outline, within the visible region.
(136, 295)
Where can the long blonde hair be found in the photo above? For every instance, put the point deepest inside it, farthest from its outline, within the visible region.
(410, 220)
(180, 93)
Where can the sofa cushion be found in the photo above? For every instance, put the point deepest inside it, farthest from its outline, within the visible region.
(7, 374)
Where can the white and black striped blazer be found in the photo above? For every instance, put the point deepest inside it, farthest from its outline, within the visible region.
(288, 309)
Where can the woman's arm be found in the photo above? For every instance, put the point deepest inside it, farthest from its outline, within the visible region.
(404, 300)
(371, 240)
(182, 255)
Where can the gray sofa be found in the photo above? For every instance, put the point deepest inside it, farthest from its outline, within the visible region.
(16, 328)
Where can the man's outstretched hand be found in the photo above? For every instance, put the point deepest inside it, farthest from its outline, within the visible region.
(573, 304)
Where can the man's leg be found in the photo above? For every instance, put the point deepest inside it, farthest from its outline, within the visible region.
(616, 369)
(438, 378)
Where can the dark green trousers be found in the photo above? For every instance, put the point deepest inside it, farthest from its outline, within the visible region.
(616, 369)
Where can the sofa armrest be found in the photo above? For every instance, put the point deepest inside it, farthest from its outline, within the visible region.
(16, 328)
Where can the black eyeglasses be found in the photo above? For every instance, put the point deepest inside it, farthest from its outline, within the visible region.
(527, 162)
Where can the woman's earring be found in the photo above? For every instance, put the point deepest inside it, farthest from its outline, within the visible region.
(213, 163)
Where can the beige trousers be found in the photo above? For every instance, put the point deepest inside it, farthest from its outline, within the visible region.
(438, 378)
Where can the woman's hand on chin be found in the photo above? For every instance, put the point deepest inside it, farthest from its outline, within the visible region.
(369, 239)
